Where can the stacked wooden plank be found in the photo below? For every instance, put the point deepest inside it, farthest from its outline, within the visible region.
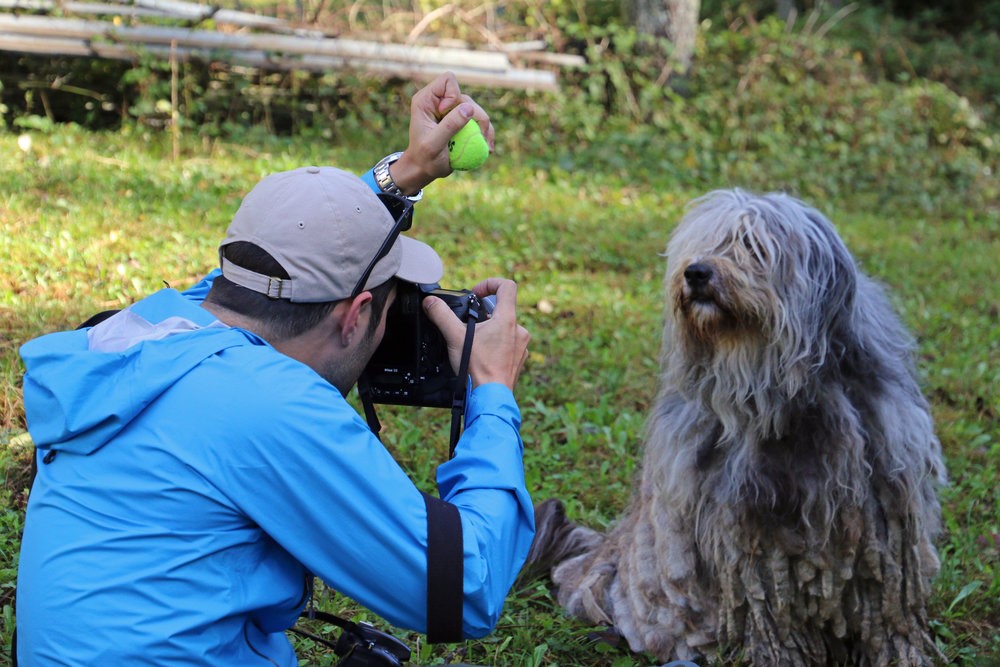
(250, 40)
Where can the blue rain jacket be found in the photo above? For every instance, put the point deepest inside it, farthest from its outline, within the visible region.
(190, 477)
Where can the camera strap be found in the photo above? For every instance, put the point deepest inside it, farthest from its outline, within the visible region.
(445, 571)
(365, 394)
(462, 383)
(360, 644)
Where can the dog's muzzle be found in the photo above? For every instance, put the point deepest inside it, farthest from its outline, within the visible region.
(698, 277)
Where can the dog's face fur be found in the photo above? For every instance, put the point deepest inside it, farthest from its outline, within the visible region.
(755, 284)
(756, 270)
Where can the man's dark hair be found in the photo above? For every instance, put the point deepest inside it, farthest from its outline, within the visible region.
(279, 319)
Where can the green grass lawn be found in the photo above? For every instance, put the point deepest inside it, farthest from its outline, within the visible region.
(90, 221)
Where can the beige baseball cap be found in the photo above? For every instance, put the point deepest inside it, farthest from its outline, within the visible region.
(324, 226)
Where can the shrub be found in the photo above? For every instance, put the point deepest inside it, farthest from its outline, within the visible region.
(767, 105)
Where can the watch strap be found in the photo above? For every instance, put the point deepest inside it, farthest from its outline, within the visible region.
(384, 179)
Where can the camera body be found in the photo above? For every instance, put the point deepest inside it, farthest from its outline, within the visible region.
(411, 366)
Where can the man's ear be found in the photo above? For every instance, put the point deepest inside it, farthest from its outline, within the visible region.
(354, 317)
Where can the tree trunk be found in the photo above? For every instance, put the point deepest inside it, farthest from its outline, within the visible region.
(785, 8)
(677, 20)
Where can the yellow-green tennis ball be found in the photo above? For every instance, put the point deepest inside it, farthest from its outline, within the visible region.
(468, 149)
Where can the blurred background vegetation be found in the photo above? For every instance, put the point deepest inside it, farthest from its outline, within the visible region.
(883, 114)
(892, 95)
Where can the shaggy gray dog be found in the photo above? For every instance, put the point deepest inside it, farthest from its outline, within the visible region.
(786, 509)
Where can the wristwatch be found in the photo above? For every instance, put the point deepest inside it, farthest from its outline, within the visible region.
(384, 179)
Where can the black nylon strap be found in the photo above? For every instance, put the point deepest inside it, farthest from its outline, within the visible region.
(444, 571)
(365, 393)
(94, 320)
(461, 385)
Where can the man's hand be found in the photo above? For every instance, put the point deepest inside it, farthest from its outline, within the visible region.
(500, 345)
(437, 112)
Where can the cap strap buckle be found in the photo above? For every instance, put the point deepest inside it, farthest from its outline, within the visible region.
(274, 286)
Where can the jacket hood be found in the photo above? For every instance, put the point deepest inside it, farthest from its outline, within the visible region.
(81, 388)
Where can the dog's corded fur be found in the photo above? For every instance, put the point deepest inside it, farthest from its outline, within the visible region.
(787, 505)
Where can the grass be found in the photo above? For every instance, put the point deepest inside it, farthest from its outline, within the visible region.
(90, 221)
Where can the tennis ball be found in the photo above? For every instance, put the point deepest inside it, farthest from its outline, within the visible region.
(468, 150)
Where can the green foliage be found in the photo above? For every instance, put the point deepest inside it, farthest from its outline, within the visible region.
(15, 452)
(212, 101)
(62, 89)
(764, 95)
(957, 16)
(900, 51)
(851, 103)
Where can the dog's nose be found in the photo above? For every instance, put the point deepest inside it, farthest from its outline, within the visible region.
(698, 275)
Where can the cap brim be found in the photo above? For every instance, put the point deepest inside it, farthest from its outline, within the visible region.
(420, 264)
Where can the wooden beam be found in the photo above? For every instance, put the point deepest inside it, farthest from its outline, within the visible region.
(93, 8)
(268, 61)
(310, 51)
(207, 39)
(195, 12)
(184, 11)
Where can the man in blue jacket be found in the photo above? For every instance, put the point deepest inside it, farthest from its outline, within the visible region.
(198, 462)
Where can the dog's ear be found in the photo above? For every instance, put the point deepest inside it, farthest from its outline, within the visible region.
(836, 274)
(831, 262)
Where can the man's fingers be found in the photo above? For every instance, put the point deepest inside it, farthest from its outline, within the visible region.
(490, 286)
(505, 290)
(441, 315)
(446, 92)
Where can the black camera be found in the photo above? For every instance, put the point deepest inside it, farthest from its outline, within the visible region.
(410, 366)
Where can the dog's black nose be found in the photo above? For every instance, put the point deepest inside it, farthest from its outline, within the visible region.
(698, 275)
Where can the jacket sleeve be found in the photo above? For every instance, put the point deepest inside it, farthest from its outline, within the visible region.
(485, 480)
(369, 178)
(317, 481)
